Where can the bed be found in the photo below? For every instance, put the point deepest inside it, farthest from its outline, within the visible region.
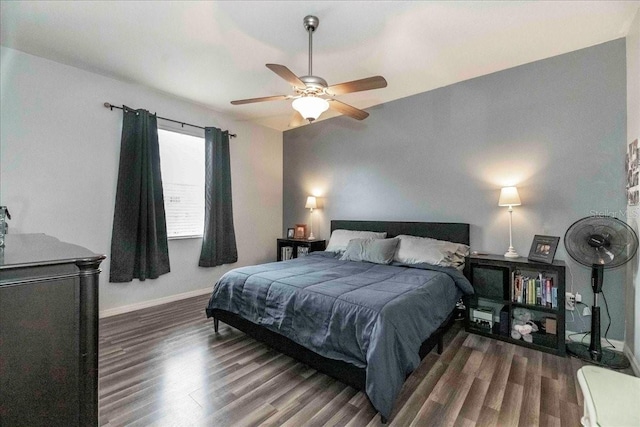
(362, 323)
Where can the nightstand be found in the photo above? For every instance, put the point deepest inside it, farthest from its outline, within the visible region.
(296, 247)
(505, 286)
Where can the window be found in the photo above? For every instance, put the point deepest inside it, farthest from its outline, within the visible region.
(182, 166)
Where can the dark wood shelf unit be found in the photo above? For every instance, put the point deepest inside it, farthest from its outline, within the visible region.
(494, 291)
(313, 245)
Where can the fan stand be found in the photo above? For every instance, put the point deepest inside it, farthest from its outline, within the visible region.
(595, 354)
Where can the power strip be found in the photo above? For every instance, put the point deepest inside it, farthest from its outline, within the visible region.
(570, 301)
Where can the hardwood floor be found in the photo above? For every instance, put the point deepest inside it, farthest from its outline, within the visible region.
(165, 366)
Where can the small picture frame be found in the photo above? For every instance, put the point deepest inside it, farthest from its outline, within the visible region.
(291, 232)
(543, 248)
(301, 231)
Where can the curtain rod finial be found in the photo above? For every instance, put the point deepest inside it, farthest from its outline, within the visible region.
(107, 105)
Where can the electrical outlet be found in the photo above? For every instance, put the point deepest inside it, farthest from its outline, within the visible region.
(586, 311)
(570, 301)
(578, 297)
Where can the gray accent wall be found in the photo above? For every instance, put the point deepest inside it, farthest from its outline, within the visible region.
(555, 128)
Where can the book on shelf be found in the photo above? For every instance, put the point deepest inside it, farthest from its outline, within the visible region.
(286, 253)
(534, 290)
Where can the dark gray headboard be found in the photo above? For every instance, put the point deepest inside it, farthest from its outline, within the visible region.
(450, 231)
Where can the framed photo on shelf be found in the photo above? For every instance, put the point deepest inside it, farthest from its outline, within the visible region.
(543, 248)
(291, 232)
(301, 231)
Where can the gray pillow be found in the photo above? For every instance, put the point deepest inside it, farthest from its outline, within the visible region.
(340, 238)
(378, 251)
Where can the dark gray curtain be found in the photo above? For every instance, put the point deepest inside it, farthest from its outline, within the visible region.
(139, 239)
(219, 238)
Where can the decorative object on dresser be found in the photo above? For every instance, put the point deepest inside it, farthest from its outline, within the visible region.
(48, 332)
(301, 231)
(291, 232)
(543, 248)
(509, 197)
(293, 248)
(522, 296)
(600, 243)
(311, 205)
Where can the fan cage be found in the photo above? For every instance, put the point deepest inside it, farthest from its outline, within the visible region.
(621, 242)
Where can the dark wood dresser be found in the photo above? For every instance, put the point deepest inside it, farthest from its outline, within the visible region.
(48, 332)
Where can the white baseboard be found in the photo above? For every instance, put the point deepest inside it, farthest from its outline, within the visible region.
(632, 360)
(619, 345)
(152, 303)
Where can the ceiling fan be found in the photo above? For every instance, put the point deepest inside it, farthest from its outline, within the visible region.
(313, 96)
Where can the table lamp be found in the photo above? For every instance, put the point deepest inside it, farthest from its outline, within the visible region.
(311, 204)
(509, 197)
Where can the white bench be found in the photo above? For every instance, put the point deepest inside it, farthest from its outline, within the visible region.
(611, 399)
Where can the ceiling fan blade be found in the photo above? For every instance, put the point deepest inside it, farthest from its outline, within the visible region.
(297, 120)
(263, 99)
(347, 109)
(287, 74)
(369, 83)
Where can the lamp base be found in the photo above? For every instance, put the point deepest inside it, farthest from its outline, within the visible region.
(608, 358)
(312, 237)
(511, 253)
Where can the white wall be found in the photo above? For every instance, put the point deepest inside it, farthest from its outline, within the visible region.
(632, 295)
(59, 152)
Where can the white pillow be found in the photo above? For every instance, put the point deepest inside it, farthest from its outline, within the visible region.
(414, 250)
(340, 238)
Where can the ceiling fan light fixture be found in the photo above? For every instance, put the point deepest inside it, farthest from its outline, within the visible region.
(310, 107)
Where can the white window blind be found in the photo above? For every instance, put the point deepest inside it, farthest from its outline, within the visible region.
(182, 165)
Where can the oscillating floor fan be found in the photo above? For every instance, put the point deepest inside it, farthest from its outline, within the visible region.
(600, 243)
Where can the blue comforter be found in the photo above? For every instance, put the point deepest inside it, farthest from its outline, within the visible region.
(373, 316)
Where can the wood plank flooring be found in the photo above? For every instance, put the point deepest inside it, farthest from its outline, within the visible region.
(165, 366)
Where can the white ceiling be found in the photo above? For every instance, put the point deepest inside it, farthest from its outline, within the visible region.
(214, 52)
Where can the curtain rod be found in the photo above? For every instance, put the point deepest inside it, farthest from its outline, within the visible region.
(111, 107)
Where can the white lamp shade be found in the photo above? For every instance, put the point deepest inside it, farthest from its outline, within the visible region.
(311, 203)
(310, 107)
(509, 197)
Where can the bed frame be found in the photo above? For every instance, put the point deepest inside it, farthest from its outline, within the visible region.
(346, 372)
